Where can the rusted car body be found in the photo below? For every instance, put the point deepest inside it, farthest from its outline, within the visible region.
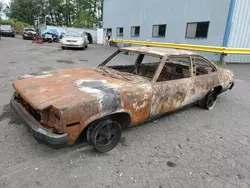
(60, 105)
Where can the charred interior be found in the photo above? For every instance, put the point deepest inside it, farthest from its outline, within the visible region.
(176, 67)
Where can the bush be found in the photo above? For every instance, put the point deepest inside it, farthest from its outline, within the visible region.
(18, 26)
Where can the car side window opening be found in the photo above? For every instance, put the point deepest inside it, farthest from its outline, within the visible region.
(175, 68)
(202, 66)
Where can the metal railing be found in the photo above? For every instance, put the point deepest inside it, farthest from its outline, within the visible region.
(214, 49)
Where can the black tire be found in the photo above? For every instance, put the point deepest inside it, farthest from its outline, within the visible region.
(63, 47)
(106, 135)
(86, 46)
(83, 48)
(209, 101)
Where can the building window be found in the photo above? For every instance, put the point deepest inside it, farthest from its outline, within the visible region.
(119, 31)
(135, 31)
(159, 30)
(109, 32)
(197, 30)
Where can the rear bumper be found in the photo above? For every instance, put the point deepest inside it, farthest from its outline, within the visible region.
(51, 139)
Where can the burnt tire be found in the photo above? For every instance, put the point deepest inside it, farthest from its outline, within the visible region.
(105, 135)
(209, 101)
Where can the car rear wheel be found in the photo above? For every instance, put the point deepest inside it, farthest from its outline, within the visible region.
(209, 101)
(105, 135)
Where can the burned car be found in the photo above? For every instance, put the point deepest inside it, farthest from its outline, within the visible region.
(59, 106)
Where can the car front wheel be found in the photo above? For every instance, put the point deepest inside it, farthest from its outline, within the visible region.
(209, 101)
(105, 135)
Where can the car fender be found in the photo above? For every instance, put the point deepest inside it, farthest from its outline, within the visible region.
(102, 115)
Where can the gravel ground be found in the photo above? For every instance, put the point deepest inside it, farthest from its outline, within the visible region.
(189, 148)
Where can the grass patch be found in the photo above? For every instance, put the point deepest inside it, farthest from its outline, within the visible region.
(219, 63)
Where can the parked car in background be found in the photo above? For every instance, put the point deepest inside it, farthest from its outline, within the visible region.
(59, 106)
(29, 33)
(73, 39)
(50, 35)
(90, 38)
(7, 31)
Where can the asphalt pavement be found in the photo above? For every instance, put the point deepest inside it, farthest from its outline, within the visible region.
(190, 148)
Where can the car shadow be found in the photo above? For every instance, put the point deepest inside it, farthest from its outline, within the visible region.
(8, 113)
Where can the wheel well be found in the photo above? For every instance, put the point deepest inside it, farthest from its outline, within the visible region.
(218, 89)
(122, 118)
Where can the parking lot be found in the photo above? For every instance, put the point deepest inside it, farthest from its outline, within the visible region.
(189, 148)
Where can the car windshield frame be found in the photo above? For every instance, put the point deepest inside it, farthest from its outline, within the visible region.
(29, 29)
(157, 71)
(74, 34)
(5, 27)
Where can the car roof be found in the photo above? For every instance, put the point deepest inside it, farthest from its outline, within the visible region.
(159, 51)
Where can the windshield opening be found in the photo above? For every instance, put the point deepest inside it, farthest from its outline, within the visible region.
(74, 34)
(5, 27)
(135, 63)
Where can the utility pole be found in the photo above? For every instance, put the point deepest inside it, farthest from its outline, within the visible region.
(45, 21)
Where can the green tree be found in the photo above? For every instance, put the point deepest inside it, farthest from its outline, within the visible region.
(80, 13)
(84, 20)
(2, 7)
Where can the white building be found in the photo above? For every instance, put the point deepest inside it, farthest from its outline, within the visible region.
(202, 22)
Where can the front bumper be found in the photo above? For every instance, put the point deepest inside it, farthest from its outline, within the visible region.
(72, 45)
(8, 34)
(232, 85)
(28, 36)
(37, 130)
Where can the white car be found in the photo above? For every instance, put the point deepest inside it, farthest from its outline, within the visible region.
(74, 39)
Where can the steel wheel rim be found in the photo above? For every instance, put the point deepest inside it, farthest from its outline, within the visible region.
(211, 100)
(106, 135)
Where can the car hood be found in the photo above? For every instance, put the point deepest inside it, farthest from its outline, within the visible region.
(65, 38)
(30, 32)
(69, 87)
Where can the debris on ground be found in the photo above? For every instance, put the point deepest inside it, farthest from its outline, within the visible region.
(171, 164)
(123, 141)
(122, 159)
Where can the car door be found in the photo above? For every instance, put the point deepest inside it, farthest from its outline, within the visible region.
(170, 93)
(205, 77)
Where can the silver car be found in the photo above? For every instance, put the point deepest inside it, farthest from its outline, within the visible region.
(74, 39)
